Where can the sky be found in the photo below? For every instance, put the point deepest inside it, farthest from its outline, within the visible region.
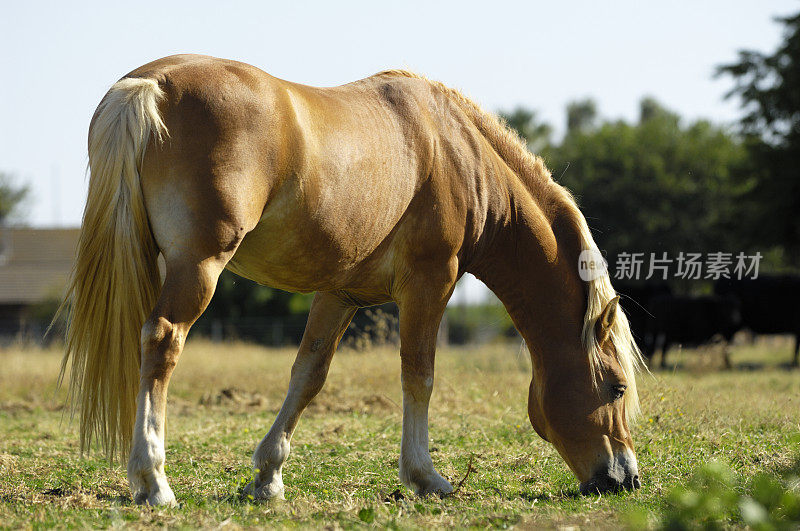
(58, 59)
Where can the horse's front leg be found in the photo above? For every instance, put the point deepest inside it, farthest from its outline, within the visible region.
(422, 305)
(187, 291)
(327, 320)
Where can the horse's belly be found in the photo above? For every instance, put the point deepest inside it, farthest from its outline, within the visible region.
(329, 243)
(283, 256)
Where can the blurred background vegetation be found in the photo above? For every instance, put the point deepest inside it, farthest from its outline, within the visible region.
(660, 184)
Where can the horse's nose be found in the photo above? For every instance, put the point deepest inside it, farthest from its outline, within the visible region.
(620, 473)
(631, 482)
(605, 482)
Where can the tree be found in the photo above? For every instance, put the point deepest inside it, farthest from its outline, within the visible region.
(650, 109)
(12, 197)
(658, 186)
(768, 87)
(581, 115)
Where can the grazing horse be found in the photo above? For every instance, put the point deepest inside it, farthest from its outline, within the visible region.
(385, 189)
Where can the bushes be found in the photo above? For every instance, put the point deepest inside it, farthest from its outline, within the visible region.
(716, 498)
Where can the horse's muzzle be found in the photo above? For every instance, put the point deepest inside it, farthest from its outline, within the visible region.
(621, 473)
(600, 484)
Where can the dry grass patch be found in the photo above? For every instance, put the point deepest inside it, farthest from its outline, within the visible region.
(343, 467)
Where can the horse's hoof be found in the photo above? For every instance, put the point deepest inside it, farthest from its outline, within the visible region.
(437, 486)
(264, 492)
(160, 498)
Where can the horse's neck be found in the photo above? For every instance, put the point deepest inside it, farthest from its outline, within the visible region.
(531, 264)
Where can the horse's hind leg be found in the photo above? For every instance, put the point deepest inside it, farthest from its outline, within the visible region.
(327, 321)
(187, 290)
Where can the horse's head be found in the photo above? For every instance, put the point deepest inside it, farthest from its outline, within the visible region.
(583, 402)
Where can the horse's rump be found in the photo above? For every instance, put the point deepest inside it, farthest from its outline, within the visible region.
(337, 168)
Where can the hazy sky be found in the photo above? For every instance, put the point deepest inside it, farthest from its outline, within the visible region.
(59, 58)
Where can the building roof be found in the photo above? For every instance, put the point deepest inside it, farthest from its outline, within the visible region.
(35, 263)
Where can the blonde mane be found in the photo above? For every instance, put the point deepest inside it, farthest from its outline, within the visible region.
(599, 293)
(532, 170)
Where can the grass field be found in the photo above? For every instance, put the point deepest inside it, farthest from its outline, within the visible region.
(343, 466)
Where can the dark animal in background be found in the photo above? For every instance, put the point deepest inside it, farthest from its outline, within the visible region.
(635, 299)
(659, 319)
(769, 305)
(692, 321)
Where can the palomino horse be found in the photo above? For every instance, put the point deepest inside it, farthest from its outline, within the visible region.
(388, 188)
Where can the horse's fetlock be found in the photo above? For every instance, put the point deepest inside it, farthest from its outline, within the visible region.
(272, 453)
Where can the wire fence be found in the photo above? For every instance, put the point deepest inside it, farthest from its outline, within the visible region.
(370, 327)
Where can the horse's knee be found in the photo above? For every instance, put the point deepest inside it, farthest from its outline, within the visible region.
(162, 342)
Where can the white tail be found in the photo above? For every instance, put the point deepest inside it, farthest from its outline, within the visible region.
(115, 280)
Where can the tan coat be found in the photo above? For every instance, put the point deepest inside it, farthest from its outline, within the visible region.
(388, 188)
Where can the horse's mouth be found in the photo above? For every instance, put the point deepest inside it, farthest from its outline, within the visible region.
(605, 483)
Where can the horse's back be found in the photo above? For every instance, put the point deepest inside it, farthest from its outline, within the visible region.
(358, 162)
(319, 179)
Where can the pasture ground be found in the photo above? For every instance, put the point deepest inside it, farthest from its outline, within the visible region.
(343, 468)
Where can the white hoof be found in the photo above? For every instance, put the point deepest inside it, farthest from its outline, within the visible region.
(425, 483)
(435, 484)
(265, 491)
(161, 496)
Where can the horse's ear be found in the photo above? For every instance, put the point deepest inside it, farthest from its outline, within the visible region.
(606, 321)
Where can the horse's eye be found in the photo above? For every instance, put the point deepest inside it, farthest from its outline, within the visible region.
(617, 391)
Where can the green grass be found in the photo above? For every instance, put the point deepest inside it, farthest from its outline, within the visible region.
(343, 466)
